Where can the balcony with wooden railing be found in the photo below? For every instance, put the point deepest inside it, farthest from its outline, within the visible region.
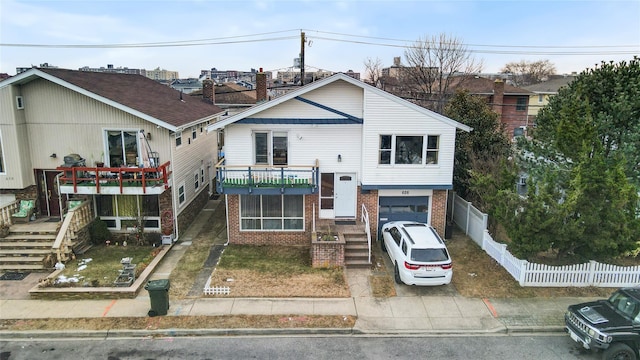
(266, 179)
(118, 180)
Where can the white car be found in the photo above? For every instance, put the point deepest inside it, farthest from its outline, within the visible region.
(417, 252)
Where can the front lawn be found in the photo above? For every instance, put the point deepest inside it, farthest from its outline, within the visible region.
(99, 267)
(276, 271)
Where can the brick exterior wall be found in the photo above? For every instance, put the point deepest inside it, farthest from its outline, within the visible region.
(30, 192)
(325, 254)
(439, 210)
(368, 198)
(370, 201)
(511, 117)
(268, 237)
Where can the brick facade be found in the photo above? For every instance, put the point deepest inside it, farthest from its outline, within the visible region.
(268, 237)
(439, 210)
(368, 198)
(370, 201)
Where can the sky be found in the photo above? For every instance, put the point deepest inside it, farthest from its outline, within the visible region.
(189, 36)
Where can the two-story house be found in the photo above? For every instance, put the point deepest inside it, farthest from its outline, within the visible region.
(134, 148)
(332, 150)
(509, 102)
(543, 91)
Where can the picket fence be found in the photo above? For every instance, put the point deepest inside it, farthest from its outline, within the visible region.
(474, 223)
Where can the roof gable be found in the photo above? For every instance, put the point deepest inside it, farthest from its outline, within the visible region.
(299, 94)
(135, 94)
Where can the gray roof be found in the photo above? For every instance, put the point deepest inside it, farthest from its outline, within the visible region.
(550, 86)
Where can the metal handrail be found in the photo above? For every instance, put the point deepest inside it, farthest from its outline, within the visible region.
(364, 217)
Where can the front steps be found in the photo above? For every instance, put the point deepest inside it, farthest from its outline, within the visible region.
(26, 247)
(356, 250)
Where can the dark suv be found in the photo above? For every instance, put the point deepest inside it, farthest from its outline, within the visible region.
(612, 325)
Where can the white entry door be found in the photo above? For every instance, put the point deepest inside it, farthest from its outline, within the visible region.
(345, 196)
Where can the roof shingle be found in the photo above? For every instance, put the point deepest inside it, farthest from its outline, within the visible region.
(140, 93)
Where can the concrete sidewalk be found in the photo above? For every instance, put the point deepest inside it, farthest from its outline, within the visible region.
(413, 311)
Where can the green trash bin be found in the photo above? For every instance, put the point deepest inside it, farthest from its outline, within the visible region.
(159, 296)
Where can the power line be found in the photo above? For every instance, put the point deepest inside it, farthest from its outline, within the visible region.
(488, 45)
(631, 49)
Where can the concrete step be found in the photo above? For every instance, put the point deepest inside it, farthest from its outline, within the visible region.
(25, 244)
(29, 237)
(357, 264)
(22, 267)
(20, 259)
(24, 251)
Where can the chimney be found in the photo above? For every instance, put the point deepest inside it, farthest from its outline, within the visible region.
(261, 87)
(208, 91)
(498, 96)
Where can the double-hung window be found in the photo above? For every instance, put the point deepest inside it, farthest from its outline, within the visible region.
(408, 149)
(521, 104)
(271, 148)
(272, 212)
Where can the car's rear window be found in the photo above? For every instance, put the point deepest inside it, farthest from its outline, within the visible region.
(429, 255)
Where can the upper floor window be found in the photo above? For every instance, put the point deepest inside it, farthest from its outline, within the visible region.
(122, 148)
(271, 148)
(521, 104)
(194, 132)
(19, 103)
(196, 181)
(408, 149)
(178, 138)
(540, 98)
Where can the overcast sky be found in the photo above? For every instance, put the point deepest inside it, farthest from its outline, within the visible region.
(240, 35)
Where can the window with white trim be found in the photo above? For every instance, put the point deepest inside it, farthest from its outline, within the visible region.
(408, 149)
(202, 175)
(19, 103)
(270, 148)
(194, 132)
(196, 181)
(178, 138)
(272, 212)
(181, 195)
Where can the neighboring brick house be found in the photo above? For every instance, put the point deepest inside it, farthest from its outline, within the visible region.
(510, 102)
(132, 146)
(329, 150)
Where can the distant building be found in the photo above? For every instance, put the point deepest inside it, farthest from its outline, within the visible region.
(162, 74)
(42, 66)
(116, 70)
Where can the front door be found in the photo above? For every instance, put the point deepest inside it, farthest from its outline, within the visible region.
(345, 195)
(48, 195)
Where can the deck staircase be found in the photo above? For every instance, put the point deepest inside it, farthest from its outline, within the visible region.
(27, 246)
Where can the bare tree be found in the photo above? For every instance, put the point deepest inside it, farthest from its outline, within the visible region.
(374, 72)
(431, 65)
(529, 72)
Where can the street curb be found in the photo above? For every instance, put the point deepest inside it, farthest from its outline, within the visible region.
(535, 329)
(164, 333)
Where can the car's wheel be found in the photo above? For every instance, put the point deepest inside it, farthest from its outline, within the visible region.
(619, 351)
(396, 275)
(384, 248)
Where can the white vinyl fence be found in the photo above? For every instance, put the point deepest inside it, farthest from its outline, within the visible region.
(474, 224)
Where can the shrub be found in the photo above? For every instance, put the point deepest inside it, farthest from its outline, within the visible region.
(153, 238)
(99, 232)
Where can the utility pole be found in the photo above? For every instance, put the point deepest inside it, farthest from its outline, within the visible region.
(302, 41)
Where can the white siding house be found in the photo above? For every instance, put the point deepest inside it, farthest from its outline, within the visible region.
(326, 152)
(122, 130)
